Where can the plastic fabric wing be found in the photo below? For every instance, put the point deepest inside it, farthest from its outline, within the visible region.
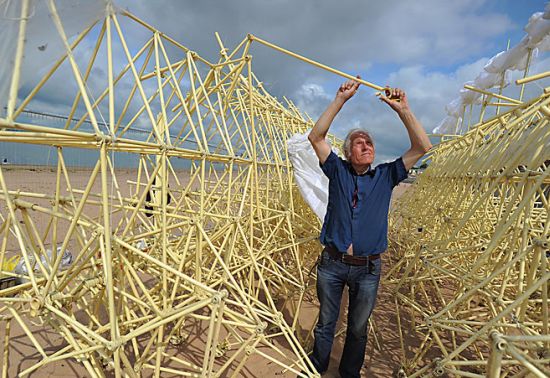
(311, 181)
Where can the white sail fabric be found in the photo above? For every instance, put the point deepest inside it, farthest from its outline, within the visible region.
(311, 181)
(496, 71)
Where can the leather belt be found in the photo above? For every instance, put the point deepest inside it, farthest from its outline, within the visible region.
(350, 259)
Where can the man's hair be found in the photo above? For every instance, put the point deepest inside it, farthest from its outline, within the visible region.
(354, 133)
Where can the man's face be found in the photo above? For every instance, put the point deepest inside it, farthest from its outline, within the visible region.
(362, 150)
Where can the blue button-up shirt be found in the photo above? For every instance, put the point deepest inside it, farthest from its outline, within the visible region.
(366, 224)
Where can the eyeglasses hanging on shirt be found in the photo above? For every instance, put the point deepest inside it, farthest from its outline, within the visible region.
(355, 197)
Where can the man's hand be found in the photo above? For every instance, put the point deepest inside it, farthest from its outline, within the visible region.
(420, 143)
(347, 90)
(318, 133)
(396, 99)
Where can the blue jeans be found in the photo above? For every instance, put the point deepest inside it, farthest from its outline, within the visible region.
(362, 282)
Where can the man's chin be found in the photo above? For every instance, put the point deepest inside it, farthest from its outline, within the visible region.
(364, 160)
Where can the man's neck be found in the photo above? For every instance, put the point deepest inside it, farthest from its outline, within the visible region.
(361, 169)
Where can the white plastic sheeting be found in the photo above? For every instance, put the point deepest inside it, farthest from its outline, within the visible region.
(66, 261)
(496, 71)
(491, 80)
(512, 59)
(538, 28)
(43, 45)
(311, 181)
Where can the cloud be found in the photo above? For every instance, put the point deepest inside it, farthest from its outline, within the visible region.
(351, 34)
(310, 98)
(428, 91)
(426, 47)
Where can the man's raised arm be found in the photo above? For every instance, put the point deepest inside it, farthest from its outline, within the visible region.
(420, 143)
(317, 136)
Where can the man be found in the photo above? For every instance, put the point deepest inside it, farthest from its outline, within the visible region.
(354, 231)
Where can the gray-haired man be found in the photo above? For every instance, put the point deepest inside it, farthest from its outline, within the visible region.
(354, 231)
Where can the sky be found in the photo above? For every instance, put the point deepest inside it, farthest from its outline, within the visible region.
(429, 48)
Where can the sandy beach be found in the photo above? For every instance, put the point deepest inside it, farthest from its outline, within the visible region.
(383, 351)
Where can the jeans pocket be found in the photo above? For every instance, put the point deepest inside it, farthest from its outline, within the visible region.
(375, 267)
(323, 260)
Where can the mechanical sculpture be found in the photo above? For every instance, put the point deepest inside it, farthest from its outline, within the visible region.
(191, 271)
(472, 243)
(197, 264)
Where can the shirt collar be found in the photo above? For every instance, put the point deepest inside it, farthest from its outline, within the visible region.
(369, 172)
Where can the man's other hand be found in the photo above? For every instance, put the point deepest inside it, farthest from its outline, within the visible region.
(347, 90)
(396, 99)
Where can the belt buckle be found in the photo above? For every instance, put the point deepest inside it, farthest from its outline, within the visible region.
(344, 258)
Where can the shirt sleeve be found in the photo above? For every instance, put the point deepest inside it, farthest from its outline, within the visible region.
(397, 171)
(330, 166)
